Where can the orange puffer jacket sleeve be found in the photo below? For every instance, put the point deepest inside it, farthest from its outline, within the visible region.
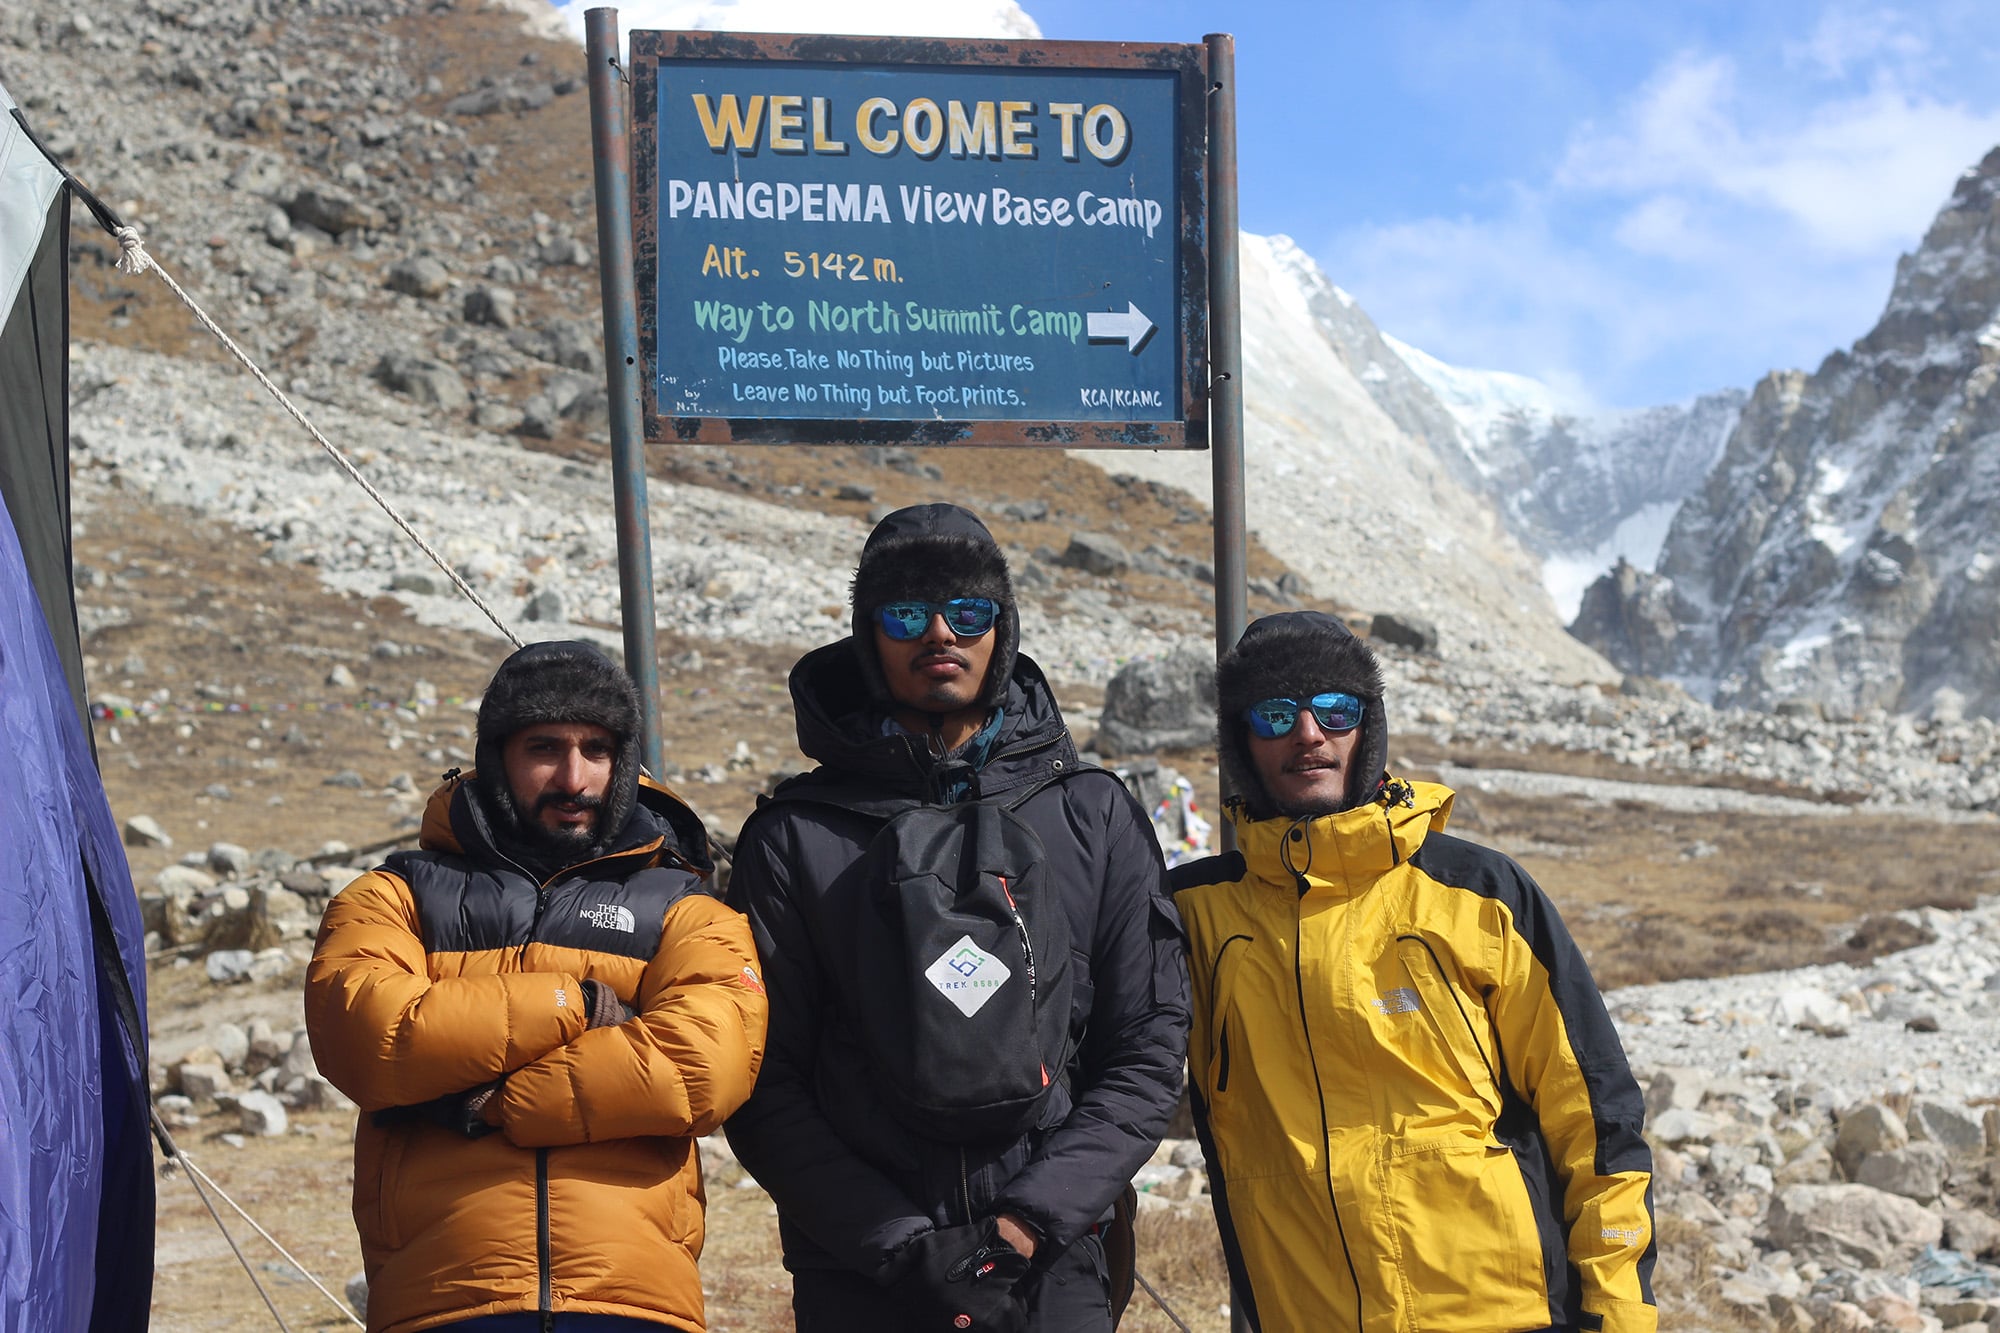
(680, 1068)
(386, 1034)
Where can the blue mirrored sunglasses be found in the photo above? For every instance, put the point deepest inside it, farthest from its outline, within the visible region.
(1272, 718)
(967, 617)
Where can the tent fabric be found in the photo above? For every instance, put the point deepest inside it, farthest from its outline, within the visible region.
(34, 378)
(76, 1183)
(76, 1186)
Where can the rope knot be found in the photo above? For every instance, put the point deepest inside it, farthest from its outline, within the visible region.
(132, 256)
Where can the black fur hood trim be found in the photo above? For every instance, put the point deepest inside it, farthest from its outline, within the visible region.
(933, 553)
(1295, 655)
(565, 680)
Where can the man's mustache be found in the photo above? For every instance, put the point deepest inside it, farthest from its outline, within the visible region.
(941, 655)
(578, 800)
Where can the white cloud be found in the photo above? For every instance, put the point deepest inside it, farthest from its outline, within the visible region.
(887, 18)
(1731, 216)
(1851, 174)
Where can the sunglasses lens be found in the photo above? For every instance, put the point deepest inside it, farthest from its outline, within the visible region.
(970, 616)
(1272, 718)
(904, 620)
(1336, 712)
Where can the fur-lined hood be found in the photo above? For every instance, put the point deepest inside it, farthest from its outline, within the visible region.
(1295, 655)
(933, 553)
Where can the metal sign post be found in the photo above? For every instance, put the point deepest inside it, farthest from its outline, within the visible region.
(1225, 347)
(611, 154)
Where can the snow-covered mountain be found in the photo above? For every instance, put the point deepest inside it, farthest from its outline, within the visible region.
(1582, 488)
(1843, 550)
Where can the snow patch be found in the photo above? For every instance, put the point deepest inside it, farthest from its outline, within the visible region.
(1637, 540)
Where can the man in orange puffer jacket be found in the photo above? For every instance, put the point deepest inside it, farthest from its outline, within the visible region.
(538, 1013)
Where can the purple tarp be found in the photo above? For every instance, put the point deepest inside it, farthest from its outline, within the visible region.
(76, 1186)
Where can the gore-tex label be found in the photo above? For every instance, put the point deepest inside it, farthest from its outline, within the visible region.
(967, 975)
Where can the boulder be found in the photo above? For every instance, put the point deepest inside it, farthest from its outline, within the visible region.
(430, 382)
(1405, 631)
(1811, 1010)
(420, 276)
(1676, 1088)
(1160, 703)
(1972, 1232)
(201, 1082)
(1851, 1225)
(1682, 1126)
(332, 212)
(229, 860)
(495, 306)
(1095, 553)
(1869, 1128)
(145, 831)
(231, 1045)
(262, 1114)
(1916, 1171)
(1958, 1130)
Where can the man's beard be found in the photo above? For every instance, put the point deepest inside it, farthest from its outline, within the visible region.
(565, 839)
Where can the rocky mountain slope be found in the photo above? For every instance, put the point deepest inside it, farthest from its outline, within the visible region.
(1842, 552)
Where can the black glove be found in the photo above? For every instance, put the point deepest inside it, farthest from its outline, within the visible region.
(460, 1112)
(963, 1278)
(603, 1008)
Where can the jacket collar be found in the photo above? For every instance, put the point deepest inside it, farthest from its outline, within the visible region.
(662, 829)
(1344, 852)
(840, 729)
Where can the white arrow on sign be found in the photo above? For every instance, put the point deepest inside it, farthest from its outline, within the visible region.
(1131, 328)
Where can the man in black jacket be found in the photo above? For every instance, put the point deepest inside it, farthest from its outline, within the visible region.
(893, 1221)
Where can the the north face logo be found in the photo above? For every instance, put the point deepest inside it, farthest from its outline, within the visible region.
(967, 975)
(1401, 1000)
(610, 916)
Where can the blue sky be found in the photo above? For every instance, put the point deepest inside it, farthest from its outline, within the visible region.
(1632, 202)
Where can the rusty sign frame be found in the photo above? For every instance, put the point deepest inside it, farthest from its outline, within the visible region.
(1188, 62)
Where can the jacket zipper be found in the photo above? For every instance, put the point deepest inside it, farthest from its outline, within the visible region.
(965, 1184)
(1214, 988)
(1319, 1090)
(542, 1256)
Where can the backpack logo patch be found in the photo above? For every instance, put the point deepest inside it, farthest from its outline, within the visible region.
(967, 975)
(610, 916)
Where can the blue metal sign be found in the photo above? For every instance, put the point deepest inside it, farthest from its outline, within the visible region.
(993, 243)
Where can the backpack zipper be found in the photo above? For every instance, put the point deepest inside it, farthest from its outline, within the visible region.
(1027, 952)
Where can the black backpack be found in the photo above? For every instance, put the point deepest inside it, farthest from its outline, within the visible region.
(957, 987)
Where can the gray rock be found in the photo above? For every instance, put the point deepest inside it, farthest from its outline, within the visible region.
(546, 605)
(1972, 1232)
(228, 966)
(1095, 553)
(1026, 511)
(1851, 1225)
(494, 306)
(420, 584)
(346, 777)
(1956, 1129)
(1870, 1128)
(1916, 1171)
(262, 1114)
(1160, 703)
(183, 881)
(420, 276)
(340, 678)
(229, 859)
(145, 831)
(1677, 1088)
(1404, 631)
(1678, 1125)
(432, 383)
(299, 1057)
(1812, 1010)
(231, 1045)
(202, 1082)
(332, 212)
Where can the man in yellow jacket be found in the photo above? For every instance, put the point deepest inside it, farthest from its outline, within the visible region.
(1415, 1109)
(537, 1013)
